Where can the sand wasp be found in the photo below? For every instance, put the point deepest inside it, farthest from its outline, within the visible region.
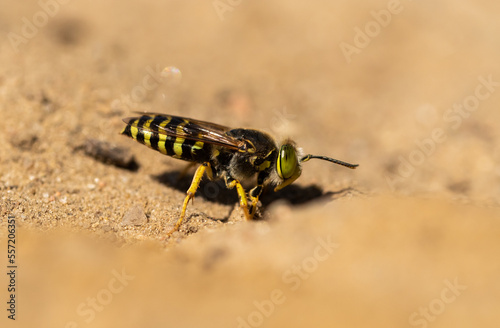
(230, 154)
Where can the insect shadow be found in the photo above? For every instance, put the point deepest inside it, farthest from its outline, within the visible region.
(216, 191)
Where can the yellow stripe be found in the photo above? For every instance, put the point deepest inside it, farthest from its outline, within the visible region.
(178, 147)
(163, 137)
(147, 134)
(164, 123)
(198, 145)
(161, 144)
(179, 141)
(134, 123)
(134, 131)
(264, 165)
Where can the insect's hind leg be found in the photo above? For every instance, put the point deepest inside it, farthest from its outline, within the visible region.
(198, 175)
(231, 183)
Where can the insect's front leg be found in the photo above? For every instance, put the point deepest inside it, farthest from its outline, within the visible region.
(255, 193)
(231, 183)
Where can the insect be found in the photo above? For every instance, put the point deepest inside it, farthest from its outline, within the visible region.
(230, 154)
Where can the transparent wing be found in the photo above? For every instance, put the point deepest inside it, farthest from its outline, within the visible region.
(183, 127)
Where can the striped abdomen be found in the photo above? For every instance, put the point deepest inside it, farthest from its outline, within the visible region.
(148, 130)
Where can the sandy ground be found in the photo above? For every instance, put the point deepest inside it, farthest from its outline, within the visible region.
(407, 89)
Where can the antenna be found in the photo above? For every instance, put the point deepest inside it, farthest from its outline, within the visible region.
(336, 161)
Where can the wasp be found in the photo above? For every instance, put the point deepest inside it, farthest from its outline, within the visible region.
(231, 154)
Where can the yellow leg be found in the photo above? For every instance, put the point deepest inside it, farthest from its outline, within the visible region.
(253, 206)
(256, 191)
(243, 198)
(190, 195)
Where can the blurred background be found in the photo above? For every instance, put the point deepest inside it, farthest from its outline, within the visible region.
(407, 89)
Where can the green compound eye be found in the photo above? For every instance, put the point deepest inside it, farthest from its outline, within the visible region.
(287, 161)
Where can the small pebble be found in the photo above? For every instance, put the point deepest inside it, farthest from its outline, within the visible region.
(134, 216)
(23, 141)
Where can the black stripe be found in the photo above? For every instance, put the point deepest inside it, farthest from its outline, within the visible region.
(140, 124)
(169, 145)
(156, 123)
(154, 140)
(126, 131)
(191, 129)
(187, 145)
(203, 154)
(154, 127)
(172, 125)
